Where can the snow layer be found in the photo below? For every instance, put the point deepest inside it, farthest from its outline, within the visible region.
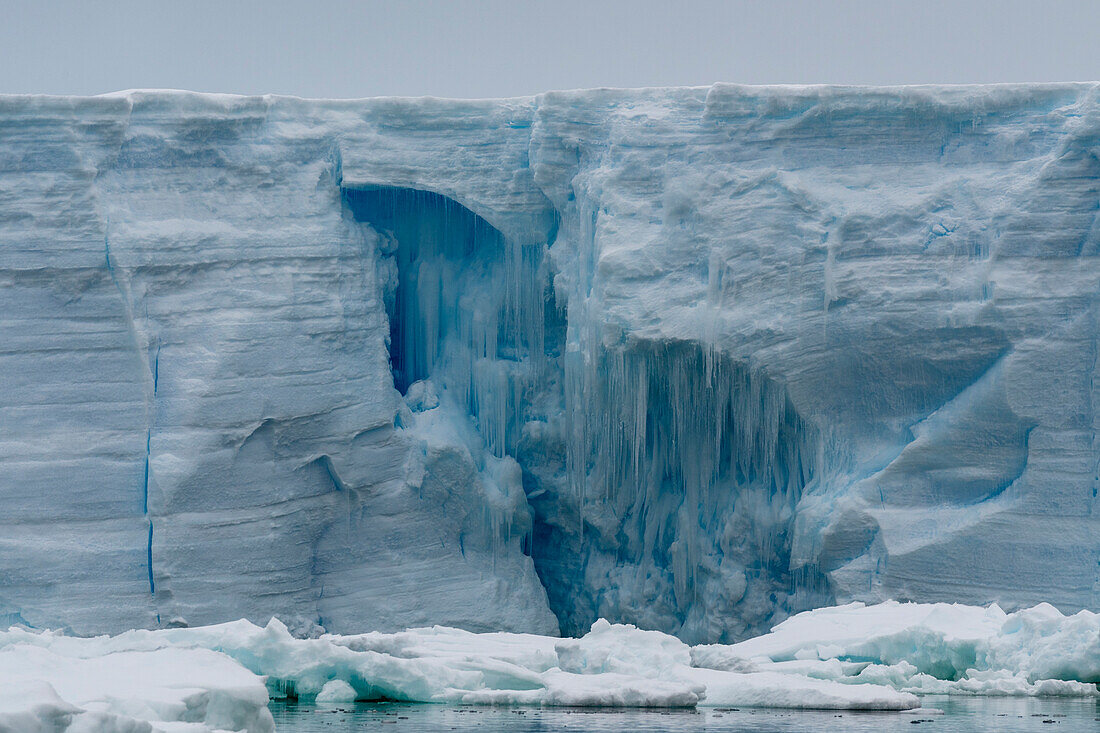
(929, 648)
(84, 687)
(694, 359)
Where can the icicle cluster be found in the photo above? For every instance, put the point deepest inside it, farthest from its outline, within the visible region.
(681, 468)
(468, 310)
(680, 420)
(688, 464)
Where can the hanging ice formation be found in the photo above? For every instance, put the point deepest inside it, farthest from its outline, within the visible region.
(663, 476)
(467, 308)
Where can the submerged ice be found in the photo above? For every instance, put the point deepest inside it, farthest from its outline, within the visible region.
(690, 359)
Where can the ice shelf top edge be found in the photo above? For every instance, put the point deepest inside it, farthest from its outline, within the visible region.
(1003, 91)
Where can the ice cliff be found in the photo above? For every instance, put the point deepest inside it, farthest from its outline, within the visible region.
(692, 359)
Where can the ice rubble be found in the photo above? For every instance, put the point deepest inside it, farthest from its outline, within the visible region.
(847, 657)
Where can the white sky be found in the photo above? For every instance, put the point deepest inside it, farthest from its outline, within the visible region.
(461, 48)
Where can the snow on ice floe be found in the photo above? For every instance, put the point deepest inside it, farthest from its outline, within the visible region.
(847, 657)
(84, 685)
(929, 648)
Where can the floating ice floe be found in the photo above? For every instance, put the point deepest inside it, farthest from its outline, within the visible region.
(928, 648)
(92, 685)
(847, 657)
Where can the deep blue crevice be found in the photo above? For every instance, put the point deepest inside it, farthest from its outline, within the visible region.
(145, 480)
(149, 559)
(155, 369)
(145, 485)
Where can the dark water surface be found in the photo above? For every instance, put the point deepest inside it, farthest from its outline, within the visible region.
(959, 715)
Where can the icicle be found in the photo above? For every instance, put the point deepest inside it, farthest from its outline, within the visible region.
(666, 443)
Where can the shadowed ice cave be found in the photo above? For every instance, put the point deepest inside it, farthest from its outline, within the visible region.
(663, 476)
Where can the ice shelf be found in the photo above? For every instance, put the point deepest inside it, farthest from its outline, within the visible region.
(695, 359)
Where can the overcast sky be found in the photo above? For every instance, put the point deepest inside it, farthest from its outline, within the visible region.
(340, 48)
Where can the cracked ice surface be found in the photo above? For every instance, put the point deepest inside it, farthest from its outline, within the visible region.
(716, 356)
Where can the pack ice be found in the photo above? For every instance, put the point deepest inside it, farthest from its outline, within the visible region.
(690, 359)
(848, 657)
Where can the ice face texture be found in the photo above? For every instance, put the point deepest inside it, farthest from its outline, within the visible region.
(693, 359)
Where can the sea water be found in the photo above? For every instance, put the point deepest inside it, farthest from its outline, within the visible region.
(942, 714)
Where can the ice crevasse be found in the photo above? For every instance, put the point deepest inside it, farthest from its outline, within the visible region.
(690, 359)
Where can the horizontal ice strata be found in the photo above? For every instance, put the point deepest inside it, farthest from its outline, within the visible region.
(694, 359)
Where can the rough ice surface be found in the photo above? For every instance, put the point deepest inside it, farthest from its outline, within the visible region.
(48, 685)
(612, 665)
(692, 359)
(929, 648)
(860, 657)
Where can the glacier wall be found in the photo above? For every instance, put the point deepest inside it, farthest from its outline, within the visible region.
(693, 359)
